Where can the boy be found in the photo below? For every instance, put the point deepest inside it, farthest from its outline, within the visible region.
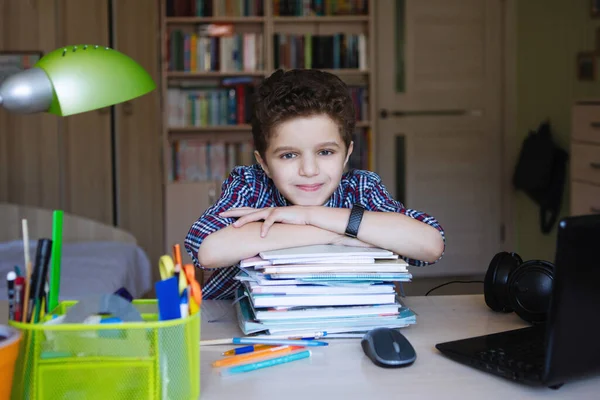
(302, 129)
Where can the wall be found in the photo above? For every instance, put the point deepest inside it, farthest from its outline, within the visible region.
(549, 35)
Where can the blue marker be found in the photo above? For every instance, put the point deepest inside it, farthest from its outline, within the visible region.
(280, 342)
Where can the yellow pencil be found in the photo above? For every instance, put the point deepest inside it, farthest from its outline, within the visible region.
(267, 353)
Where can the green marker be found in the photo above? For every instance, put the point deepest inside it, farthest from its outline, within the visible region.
(55, 258)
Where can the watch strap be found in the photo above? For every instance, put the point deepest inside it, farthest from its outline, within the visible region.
(354, 221)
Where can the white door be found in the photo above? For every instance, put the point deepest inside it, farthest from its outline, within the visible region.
(439, 128)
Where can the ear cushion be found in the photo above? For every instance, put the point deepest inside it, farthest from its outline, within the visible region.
(495, 284)
(530, 289)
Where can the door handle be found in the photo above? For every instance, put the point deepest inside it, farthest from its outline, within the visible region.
(384, 113)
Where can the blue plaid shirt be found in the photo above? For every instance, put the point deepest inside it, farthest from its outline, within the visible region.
(249, 186)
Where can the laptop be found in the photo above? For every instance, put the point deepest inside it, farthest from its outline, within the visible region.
(567, 346)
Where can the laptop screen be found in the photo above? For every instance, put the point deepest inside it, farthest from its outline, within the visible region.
(573, 327)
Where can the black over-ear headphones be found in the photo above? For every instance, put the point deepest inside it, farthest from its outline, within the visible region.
(523, 287)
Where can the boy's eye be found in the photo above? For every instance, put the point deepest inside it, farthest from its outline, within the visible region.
(325, 152)
(287, 156)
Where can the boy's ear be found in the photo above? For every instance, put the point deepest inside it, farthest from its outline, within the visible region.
(350, 148)
(262, 163)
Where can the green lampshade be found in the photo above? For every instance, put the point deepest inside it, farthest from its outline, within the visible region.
(86, 77)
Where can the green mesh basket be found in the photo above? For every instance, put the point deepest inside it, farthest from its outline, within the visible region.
(142, 360)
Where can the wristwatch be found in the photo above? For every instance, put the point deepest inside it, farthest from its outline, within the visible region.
(354, 221)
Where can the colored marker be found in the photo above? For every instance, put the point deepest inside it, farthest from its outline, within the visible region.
(10, 280)
(278, 342)
(19, 296)
(298, 355)
(261, 354)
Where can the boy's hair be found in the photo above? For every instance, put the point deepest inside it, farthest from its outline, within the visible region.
(300, 93)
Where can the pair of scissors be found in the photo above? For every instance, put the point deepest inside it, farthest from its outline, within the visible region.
(195, 289)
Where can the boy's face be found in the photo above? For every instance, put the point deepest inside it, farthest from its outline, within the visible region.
(305, 159)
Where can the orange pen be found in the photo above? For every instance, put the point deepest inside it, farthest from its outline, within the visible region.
(177, 255)
(267, 353)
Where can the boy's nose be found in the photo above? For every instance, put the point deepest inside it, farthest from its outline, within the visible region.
(309, 167)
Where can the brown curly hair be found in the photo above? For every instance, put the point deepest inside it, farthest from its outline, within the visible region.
(300, 93)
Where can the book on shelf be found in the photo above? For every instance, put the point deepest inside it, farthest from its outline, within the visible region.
(307, 8)
(213, 102)
(329, 295)
(200, 52)
(336, 51)
(189, 8)
(209, 8)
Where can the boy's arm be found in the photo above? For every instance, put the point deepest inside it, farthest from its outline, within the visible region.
(229, 245)
(414, 235)
(402, 232)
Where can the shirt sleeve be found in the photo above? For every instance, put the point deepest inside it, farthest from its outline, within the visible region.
(235, 192)
(375, 197)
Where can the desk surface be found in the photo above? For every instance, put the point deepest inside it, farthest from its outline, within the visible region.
(342, 371)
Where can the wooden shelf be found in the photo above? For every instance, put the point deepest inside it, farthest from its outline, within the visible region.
(216, 19)
(215, 128)
(212, 74)
(323, 19)
(231, 128)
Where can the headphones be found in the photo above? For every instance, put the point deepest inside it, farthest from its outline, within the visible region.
(523, 287)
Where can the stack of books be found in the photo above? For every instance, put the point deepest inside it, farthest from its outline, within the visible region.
(311, 290)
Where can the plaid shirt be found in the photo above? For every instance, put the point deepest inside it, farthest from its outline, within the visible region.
(249, 186)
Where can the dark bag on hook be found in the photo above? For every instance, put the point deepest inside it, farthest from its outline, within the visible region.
(541, 173)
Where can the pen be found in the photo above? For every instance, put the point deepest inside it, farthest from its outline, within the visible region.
(264, 354)
(10, 280)
(40, 270)
(279, 341)
(246, 349)
(298, 355)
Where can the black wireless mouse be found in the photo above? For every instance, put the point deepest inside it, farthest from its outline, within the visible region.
(388, 348)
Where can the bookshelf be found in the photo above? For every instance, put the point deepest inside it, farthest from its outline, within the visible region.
(201, 88)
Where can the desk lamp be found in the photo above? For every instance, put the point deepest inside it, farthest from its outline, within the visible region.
(72, 80)
(75, 79)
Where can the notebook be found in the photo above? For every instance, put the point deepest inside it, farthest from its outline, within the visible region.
(325, 250)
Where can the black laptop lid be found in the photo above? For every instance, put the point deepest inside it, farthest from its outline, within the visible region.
(573, 332)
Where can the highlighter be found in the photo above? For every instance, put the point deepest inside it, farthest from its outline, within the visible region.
(238, 369)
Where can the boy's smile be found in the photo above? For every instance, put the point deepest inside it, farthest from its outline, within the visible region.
(305, 159)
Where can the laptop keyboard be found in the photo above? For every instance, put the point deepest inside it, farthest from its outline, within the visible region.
(523, 360)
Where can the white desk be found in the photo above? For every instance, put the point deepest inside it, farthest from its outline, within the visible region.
(342, 371)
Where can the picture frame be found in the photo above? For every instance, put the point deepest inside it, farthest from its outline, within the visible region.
(12, 62)
(586, 66)
(595, 8)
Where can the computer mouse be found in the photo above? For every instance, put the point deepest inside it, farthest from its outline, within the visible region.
(388, 348)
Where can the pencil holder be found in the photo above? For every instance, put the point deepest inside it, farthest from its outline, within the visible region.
(139, 360)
